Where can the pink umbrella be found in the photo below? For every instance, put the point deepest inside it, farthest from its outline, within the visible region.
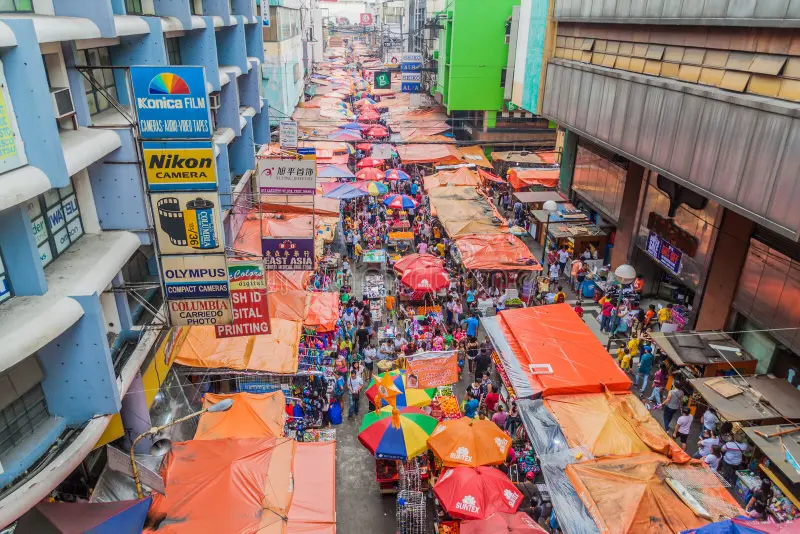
(369, 162)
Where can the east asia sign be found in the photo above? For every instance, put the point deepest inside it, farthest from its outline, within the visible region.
(288, 253)
(248, 299)
(191, 277)
(171, 102)
(180, 165)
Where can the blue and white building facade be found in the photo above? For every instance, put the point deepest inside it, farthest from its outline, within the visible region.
(285, 56)
(74, 228)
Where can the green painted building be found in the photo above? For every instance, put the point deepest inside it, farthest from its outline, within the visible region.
(473, 55)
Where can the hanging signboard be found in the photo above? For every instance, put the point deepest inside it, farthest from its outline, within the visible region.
(432, 369)
(287, 134)
(199, 312)
(383, 80)
(171, 102)
(411, 82)
(664, 252)
(288, 253)
(248, 299)
(12, 153)
(187, 223)
(198, 276)
(285, 176)
(265, 13)
(180, 165)
(366, 19)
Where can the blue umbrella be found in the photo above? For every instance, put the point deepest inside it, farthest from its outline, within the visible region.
(333, 171)
(351, 126)
(396, 174)
(400, 202)
(345, 192)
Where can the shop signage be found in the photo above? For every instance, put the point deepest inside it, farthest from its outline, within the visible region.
(12, 154)
(365, 19)
(171, 102)
(265, 13)
(669, 231)
(289, 176)
(180, 165)
(187, 223)
(121, 463)
(411, 66)
(248, 299)
(200, 312)
(510, 106)
(432, 369)
(287, 134)
(288, 253)
(664, 252)
(383, 80)
(195, 276)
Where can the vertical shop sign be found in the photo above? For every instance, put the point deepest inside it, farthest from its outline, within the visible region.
(248, 300)
(287, 134)
(265, 13)
(12, 154)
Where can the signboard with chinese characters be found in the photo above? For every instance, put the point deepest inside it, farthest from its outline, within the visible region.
(180, 165)
(265, 13)
(383, 80)
(287, 134)
(187, 223)
(664, 252)
(288, 253)
(12, 153)
(195, 276)
(248, 300)
(199, 312)
(365, 19)
(171, 102)
(289, 176)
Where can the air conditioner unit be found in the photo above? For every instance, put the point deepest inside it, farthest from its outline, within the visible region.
(213, 101)
(62, 102)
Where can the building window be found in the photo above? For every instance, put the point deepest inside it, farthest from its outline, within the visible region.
(503, 74)
(5, 283)
(22, 403)
(197, 7)
(16, 6)
(133, 7)
(173, 51)
(56, 221)
(103, 78)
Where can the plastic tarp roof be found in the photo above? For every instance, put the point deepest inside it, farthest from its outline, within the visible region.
(629, 495)
(252, 415)
(553, 336)
(272, 353)
(313, 509)
(503, 252)
(283, 280)
(119, 517)
(611, 425)
(472, 214)
(288, 225)
(490, 177)
(462, 176)
(475, 155)
(289, 305)
(299, 204)
(523, 178)
(323, 311)
(225, 485)
(443, 154)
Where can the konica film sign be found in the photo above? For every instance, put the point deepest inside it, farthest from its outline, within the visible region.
(192, 277)
(180, 165)
(171, 102)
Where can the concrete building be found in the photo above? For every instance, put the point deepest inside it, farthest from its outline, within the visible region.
(75, 235)
(683, 131)
(475, 74)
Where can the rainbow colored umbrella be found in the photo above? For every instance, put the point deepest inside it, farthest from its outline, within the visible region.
(397, 436)
(407, 397)
(401, 202)
(396, 174)
(376, 188)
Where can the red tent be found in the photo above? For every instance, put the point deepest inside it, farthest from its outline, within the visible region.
(378, 131)
(416, 261)
(370, 173)
(369, 162)
(476, 492)
(426, 279)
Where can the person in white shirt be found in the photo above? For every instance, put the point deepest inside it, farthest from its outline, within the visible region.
(553, 273)
(714, 457)
(732, 455)
(683, 426)
(707, 440)
(500, 303)
(354, 385)
(563, 257)
(370, 353)
(710, 420)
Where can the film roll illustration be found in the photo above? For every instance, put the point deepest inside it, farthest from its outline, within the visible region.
(192, 226)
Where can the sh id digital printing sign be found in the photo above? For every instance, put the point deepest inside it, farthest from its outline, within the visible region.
(171, 102)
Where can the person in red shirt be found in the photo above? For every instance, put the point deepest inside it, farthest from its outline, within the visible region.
(638, 284)
(492, 399)
(579, 309)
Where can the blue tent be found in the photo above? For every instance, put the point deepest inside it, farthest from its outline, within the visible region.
(335, 172)
(745, 525)
(121, 517)
(345, 192)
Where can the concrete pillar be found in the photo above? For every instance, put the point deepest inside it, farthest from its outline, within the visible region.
(730, 253)
(135, 416)
(23, 264)
(627, 225)
(568, 155)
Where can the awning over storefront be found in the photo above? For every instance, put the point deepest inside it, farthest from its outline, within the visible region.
(313, 509)
(460, 177)
(491, 252)
(252, 415)
(440, 154)
(521, 178)
(475, 155)
(524, 157)
(272, 353)
(778, 448)
(698, 349)
(463, 210)
(750, 398)
(490, 177)
(549, 350)
(538, 197)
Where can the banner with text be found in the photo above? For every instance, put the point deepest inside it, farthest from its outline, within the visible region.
(432, 369)
(248, 287)
(289, 176)
(288, 253)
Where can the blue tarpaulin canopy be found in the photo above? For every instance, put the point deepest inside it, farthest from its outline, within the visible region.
(334, 171)
(345, 192)
(121, 517)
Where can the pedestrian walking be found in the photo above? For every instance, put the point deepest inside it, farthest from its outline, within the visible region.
(643, 373)
(354, 385)
(672, 403)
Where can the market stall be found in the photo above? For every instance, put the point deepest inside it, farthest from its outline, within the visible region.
(750, 399)
(777, 452)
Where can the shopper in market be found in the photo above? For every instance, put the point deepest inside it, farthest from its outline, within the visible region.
(672, 403)
(354, 385)
(732, 457)
(707, 441)
(682, 427)
(643, 373)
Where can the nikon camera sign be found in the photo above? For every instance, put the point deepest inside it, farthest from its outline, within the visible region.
(180, 166)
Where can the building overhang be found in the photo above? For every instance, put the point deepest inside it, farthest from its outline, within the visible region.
(21, 184)
(84, 146)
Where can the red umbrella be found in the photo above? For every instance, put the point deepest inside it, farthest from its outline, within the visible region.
(370, 174)
(426, 279)
(519, 523)
(378, 131)
(364, 146)
(417, 261)
(400, 202)
(369, 162)
(369, 116)
(476, 492)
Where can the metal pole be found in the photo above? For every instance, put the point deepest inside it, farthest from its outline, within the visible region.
(544, 244)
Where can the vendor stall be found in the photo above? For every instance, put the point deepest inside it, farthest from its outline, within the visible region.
(777, 454)
(750, 399)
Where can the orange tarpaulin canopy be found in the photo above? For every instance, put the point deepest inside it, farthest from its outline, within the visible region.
(289, 304)
(300, 204)
(629, 495)
(323, 311)
(460, 177)
(554, 335)
(271, 353)
(313, 509)
(252, 415)
(224, 485)
(442, 154)
(287, 225)
(463, 211)
(490, 177)
(611, 425)
(475, 156)
(496, 252)
(520, 179)
(287, 280)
